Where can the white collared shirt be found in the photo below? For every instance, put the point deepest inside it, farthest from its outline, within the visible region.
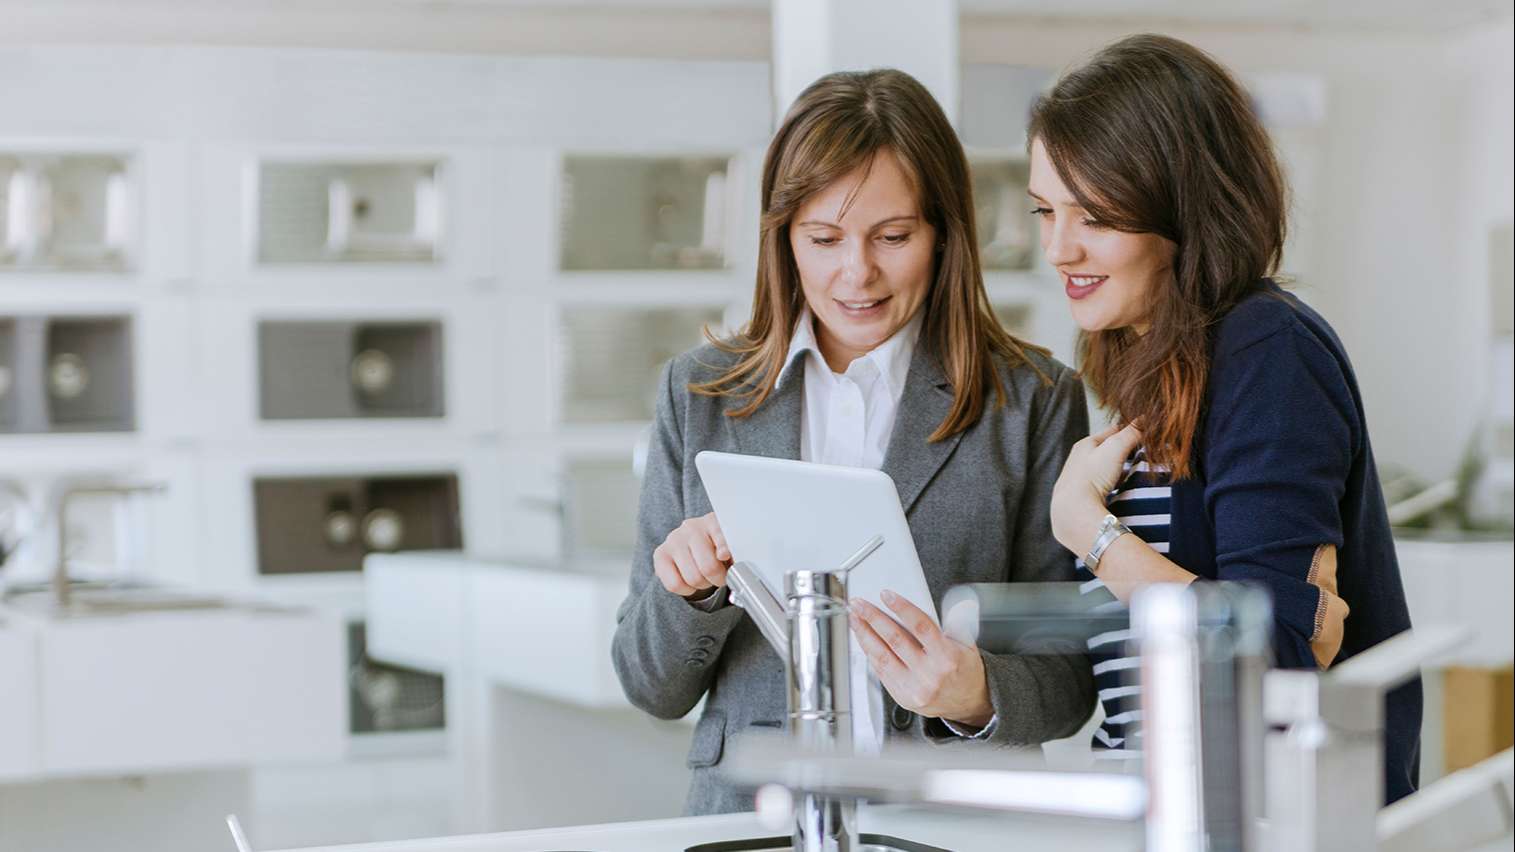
(848, 419)
(849, 416)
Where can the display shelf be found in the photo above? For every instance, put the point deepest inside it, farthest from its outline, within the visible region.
(281, 373)
(324, 369)
(314, 524)
(384, 698)
(349, 211)
(139, 536)
(620, 212)
(609, 358)
(239, 523)
(67, 373)
(67, 210)
(1007, 230)
(300, 216)
(89, 374)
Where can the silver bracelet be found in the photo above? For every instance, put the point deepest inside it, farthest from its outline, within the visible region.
(1110, 529)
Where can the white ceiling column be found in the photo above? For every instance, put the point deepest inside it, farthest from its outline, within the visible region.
(816, 37)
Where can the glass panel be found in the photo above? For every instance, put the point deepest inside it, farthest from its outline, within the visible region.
(600, 499)
(65, 212)
(643, 213)
(1007, 231)
(348, 212)
(612, 357)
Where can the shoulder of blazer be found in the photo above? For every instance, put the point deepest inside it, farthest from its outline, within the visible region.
(1033, 378)
(703, 363)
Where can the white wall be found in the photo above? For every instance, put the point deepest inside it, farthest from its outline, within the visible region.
(1413, 164)
(731, 31)
(1393, 204)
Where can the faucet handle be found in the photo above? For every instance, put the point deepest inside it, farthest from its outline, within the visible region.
(862, 553)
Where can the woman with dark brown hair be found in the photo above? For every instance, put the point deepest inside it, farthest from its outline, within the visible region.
(871, 343)
(1245, 454)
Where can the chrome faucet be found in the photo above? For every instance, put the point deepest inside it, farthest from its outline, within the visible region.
(60, 569)
(812, 636)
(1215, 776)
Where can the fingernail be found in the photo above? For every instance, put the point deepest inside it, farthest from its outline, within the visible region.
(888, 596)
(856, 606)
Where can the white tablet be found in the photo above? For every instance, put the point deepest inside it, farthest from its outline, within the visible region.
(781, 515)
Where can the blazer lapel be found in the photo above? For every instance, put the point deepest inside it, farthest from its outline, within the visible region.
(912, 459)
(774, 429)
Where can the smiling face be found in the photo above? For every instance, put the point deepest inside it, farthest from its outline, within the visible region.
(864, 267)
(1111, 277)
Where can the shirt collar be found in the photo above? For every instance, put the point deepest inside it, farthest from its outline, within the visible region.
(892, 357)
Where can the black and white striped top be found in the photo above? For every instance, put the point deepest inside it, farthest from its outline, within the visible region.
(1141, 501)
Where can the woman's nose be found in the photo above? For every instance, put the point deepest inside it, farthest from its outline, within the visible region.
(1058, 245)
(857, 264)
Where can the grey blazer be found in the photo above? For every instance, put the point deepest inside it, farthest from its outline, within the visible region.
(978, 506)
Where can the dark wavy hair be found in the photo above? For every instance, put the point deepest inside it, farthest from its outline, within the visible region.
(1152, 135)
(835, 126)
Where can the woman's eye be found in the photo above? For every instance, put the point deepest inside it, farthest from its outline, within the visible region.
(1095, 224)
(1041, 211)
(823, 241)
(896, 239)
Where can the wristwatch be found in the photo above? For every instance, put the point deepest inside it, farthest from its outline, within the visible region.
(1110, 529)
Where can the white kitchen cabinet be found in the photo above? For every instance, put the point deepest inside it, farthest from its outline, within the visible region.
(170, 691)
(19, 713)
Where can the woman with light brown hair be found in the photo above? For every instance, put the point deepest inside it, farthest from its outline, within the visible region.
(871, 343)
(1245, 454)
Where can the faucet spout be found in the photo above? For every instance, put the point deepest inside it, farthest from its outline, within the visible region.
(765, 609)
(124, 489)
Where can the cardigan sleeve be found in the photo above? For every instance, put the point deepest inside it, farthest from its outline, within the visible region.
(1280, 436)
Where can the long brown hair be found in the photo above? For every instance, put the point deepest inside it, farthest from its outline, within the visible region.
(837, 125)
(1152, 135)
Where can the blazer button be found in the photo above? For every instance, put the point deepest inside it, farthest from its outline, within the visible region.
(900, 719)
(693, 663)
(699, 654)
(705, 641)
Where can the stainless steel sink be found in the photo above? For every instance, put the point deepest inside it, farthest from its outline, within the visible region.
(866, 843)
(110, 598)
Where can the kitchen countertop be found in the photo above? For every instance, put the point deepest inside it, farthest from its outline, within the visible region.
(958, 832)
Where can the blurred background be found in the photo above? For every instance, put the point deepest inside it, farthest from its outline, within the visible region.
(328, 331)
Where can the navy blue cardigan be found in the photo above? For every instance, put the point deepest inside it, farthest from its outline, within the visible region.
(1283, 465)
